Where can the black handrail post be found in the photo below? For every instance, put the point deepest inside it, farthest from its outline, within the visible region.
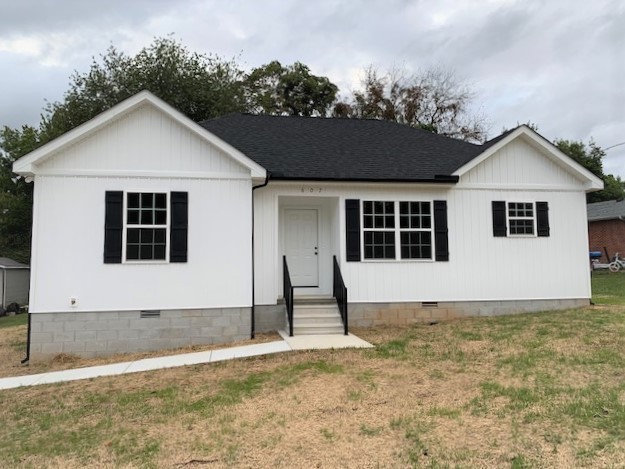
(287, 293)
(339, 291)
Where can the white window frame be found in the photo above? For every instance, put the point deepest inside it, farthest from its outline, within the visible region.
(363, 229)
(166, 226)
(533, 218)
(397, 231)
(424, 230)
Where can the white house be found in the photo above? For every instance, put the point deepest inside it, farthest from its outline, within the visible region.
(151, 231)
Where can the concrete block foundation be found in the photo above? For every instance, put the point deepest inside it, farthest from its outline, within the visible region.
(93, 334)
(374, 314)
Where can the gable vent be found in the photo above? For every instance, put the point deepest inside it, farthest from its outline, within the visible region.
(150, 314)
(429, 304)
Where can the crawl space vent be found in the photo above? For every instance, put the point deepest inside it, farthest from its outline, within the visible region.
(150, 314)
(429, 304)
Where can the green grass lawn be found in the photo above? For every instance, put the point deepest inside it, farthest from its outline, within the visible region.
(12, 321)
(608, 287)
(529, 390)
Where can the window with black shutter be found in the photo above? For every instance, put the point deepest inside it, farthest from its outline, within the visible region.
(402, 230)
(145, 226)
(520, 219)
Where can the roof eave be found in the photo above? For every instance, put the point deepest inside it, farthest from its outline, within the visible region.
(436, 180)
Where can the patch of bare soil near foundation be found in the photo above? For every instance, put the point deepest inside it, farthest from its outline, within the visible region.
(13, 350)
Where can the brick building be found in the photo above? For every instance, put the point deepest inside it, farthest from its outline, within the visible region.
(606, 227)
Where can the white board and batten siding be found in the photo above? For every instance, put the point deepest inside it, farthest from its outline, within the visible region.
(145, 150)
(481, 267)
(144, 142)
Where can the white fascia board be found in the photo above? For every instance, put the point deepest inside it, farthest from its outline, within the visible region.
(26, 165)
(591, 182)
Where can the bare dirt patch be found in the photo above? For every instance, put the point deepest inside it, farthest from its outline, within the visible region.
(13, 350)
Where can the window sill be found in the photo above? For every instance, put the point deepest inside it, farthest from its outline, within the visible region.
(397, 261)
(145, 262)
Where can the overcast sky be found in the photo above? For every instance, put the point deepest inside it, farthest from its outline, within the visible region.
(557, 63)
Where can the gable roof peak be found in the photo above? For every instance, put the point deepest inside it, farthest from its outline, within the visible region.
(27, 165)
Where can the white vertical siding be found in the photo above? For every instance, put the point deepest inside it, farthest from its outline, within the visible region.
(146, 139)
(481, 267)
(267, 265)
(520, 163)
(69, 241)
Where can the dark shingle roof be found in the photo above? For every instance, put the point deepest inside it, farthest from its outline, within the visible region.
(606, 210)
(342, 149)
(492, 141)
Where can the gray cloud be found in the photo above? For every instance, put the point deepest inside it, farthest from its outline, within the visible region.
(560, 64)
(35, 16)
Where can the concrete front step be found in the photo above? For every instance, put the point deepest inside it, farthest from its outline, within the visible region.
(316, 312)
(314, 300)
(318, 329)
(318, 317)
(315, 320)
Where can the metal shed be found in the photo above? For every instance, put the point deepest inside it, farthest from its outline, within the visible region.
(14, 282)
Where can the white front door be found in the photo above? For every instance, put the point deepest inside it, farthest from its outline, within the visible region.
(301, 246)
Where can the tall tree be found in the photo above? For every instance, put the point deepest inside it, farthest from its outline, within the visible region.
(591, 157)
(433, 100)
(16, 195)
(200, 86)
(292, 90)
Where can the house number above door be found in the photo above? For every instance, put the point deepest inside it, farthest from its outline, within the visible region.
(311, 190)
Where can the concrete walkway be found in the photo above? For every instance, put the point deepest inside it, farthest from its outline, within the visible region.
(310, 342)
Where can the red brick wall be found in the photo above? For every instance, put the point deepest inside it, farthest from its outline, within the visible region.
(608, 233)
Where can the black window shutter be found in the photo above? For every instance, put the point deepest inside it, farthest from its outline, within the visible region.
(542, 218)
(113, 226)
(441, 240)
(499, 218)
(179, 227)
(352, 229)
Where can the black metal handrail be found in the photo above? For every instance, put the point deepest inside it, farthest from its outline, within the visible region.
(287, 288)
(339, 291)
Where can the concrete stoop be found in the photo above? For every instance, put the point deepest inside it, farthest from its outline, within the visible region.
(312, 317)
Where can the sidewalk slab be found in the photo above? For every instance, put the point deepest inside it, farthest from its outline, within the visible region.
(307, 342)
(250, 351)
(19, 381)
(324, 341)
(82, 373)
(170, 361)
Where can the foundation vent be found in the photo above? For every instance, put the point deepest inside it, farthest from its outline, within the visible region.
(150, 314)
(429, 304)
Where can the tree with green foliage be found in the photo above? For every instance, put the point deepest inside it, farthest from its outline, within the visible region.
(292, 90)
(198, 85)
(433, 100)
(16, 195)
(591, 157)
